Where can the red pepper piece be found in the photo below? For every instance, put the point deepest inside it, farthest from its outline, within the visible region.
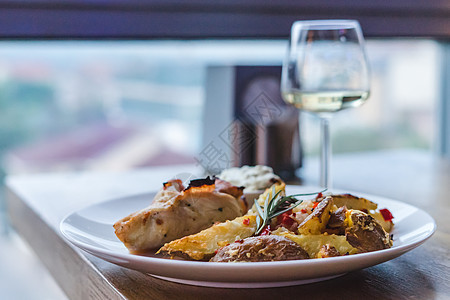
(285, 220)
(387, 215)
(304, 211)
(266, 230)
(288, 221)
(246, 221)
(319, 196)
(283, 216)
(315, 204)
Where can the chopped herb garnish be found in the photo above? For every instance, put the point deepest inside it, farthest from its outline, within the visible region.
(275, 206)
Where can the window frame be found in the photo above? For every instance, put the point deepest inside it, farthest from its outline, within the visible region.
(198, 19)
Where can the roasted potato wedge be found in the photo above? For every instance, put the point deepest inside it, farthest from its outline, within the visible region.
(365, 233)
(353, 202)
(316, 222)
(313, 243)
(201, 246)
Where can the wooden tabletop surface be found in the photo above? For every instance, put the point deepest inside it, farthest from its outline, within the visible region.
(37, 204)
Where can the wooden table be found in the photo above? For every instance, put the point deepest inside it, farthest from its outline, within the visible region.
(37, 203)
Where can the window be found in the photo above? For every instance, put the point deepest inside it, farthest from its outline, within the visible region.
(401, 111)
(72, 105)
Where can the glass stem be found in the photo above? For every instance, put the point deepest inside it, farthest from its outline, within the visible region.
(325, 159)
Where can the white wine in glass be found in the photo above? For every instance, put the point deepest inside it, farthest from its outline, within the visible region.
(325, 71)
(325, 102)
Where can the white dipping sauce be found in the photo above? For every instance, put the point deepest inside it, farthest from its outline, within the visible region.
(252, 178)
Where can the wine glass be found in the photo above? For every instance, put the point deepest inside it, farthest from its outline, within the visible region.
(325, 71)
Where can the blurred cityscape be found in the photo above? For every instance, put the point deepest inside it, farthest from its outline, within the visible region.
(118, 105)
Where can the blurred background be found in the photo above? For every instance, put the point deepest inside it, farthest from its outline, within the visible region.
(84, 105)
(126, 87)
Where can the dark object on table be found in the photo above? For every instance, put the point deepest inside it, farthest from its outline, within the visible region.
(246, 117)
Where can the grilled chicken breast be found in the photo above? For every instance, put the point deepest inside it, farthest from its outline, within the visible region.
(177, 211)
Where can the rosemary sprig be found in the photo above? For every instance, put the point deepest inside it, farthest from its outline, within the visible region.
(276, 206)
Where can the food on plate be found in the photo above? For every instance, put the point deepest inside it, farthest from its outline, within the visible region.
(261, 248)
(210, 221)
(353, 202)
(313, 244)
(327, 251)
(177, 211)
(384, 218)
(253, 178)
(367, 206)
(280, 227)
(336, 223)
(316, 222)
(203, 245)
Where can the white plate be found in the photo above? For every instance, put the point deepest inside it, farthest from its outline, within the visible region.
(91, 229)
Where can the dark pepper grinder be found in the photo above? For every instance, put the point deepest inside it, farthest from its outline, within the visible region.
(268, 127)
